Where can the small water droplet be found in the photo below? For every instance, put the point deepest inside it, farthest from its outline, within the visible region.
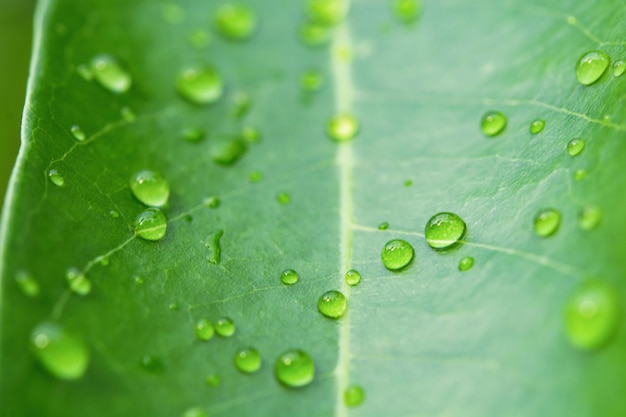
(283, 198)
(85, 72)
(250, 134)
(591, 66)
(407, 11)
(592, 314)
(311, 80)
(225, 327)
(590, 217)
(150, 188)
(195, 412)
(61, 353)
(243, 104)
(353, 396)
(174, 306)
(199, 38)
(128, 114)
(213, 246)
(493, 123)
(56, 178)
(77, 282)
(227, 152)
(236, 22)
(114, 214)
(193, 135)
(580, 174)
(172, 13)
(78, 133)
(314, 34)
(110, 74)
(294, 368)
(200, 85)
(332, 304)
(248, 360)
(547, 222)
(138, 280)
(213, 380)
(27, 283)
(619, 68)
(342, 127)
(536, 126)
(397, 254)
(211, 202)
(466, 263)
(326, 12)
(289, 277)
(353, 277)
(204, 330)
(103, 260)
(408, 183)
(383, 226)
(444, 230)
(255, 176)
(575, 147)
(152, 364)
(151, 224)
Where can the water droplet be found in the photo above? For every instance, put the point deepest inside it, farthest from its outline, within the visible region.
(407, 11)
(326, 12)
(250, 134)
(77, 282)
(591, 66)
(200, 85)
(547, 222)
(332, 304)
(243, 104)
(27, 283)
(225, 327)
(195, 412)
(314, 35)
(204, 330)
(619, 68)
(227, 152)
(150, 188)
(193, 135)
(211, 202)
(62, 354)
(213, 380)
(397, 254)
(383, 226)
(537, 125)
(172, 13)
(114, 214)
(199, 38)
(294, 368)
(575, 147)
(151, 224)
(110, 74)
(77, 132)
(138, 280)
(103, 260)
(174, 306)
(255, 176)
(128, 114)
(85, 72)
(466, 263)
(444, 230)
(590, 217)
(283, 198)
(311, 80)
(213, 246)
(408, 183)
(354, 396)
(152, 364)
(236, 22)
(289, 277)
(248, 360)
(493, 123)
(56, 178)
(353, 277)
(342, 127)
(592, 314)
(580, 174)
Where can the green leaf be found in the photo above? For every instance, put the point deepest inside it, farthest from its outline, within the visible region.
(426, 340)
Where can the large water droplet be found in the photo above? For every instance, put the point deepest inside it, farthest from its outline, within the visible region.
(56, 178)
(204, 330)
(152, 364)
(235, 22)
(200, 85)
(590, 217)
(62, 354)
(294, 368)
(591, 66)
(289, 277)
(575, 147)
(77, 282)
(592, 314)
(547, 222)
(151, 224)
(466, 263)
(332, 304)
(227, 152)
(110, 74)
(342, 127)
(248, 360)
(213, 245)
(225, 327)
(619, 68)
(407, 11)
(536, 126)
(493, 123)
(444, 230)
(353, 277)
(311, 80)
(150, 188)
(353, 396)
(397, 254)
(78, 133)
(314, 34)
(326, 12)
(195, 412)
(27, 283)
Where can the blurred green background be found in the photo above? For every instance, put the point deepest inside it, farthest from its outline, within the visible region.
(15, 45)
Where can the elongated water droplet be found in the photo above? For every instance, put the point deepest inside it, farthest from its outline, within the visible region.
(294, 368)
(580, 174)
(493, 123)
(150, 188)
(61, 353)
(78, 133)
(466, 263)
(225, 327)
(213, 380)
(354, 396)
(227, 152)
(619, 68)
(591, 66)
(200, 85)
(353, 277)
(195, 412)
(56, 178)
(342, 127)
(248, 360)
(211, 202)
(383, 226)
(283, 198)
(204, 330)
(151, 224)
(326, 12)
(590, 217)
(444, 230)
(194, 135)
(592, 314)
(547, 222)
(27, 283)
(575, 147)
(289, 277)
(332, 304)
(314, 34)
(537, 125)
(235, 21)
(110, 74)
(77, 282)
(397, 254)
(152, 364)
(311, 80)
(407, 11)
(213, 246)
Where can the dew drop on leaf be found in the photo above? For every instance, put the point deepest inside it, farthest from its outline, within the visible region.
(590, 217)
(466, 263)
(195, 412)
(77, 282)
(397, 254)
(619, 68)
(408, 183)
(580, 174)
(193, 135)
(213, 380)
(128, 114)
(294, 368)
(224, 327)
(85, 72)
(407, 11)
(547, 222)
(444, 230)
(591, 66)
(248, 360)
(56, 178)
(150, 188)
(326, 12)
(493, 123)
(227, 152)
(78, 133)
(311, 80)
(353, 277)
(204, 330)
(151, 224)
(383, 226)
(211, 202)
(114, 214)
(289, 277)
(283, 198)
(243, 104)
(110, 74)
(536, 126)
(152, 364)
(354, 396)
(255, 176)
(575, 147)
(332, 304)
(200, 85)
(27, 283)
(214, 247)
(174, 306)
(342, 127)
(236, 22)
(250, 134)
(61, 353)
(314, 34)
